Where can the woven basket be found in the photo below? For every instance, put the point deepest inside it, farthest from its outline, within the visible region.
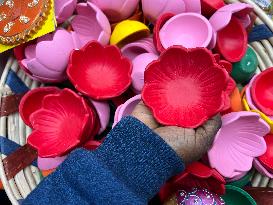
(14, 82)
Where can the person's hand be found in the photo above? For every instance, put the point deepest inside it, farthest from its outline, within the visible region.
(189, 144)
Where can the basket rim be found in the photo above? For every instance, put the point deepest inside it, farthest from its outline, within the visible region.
(24, 182)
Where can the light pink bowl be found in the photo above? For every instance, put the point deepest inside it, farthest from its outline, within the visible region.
(117, 10)
(136, 48)
(47, 59)
(50, 163)
(193, 6)
(103, 111)
(237, 143)
(126, 109)
(237, 178)
(152, 9)
(64, 9)
(184, 29)
(91, 24)
(222, 16)
(140, 64)
(261, 169)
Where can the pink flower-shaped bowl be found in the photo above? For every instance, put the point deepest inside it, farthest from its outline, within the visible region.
(91, 24)
(117, 10)
(103, 111)
(100, 72)
(136, 48)
(64, 9)
(222, 16)
(239, 141)
(53, 134)
(47, 59)
(188, 26)
(261, 169)
(139, 66)
(126, 108)
(193, 6)
(231, 21)
(185, 87)
(152, 9)
(50, 163)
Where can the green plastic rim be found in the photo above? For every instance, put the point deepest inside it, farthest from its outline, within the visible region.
(237, 196)
(243, 181)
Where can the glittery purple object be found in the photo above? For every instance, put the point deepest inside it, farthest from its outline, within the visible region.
(198, 197)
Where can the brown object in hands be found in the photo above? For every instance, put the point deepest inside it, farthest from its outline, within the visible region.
(262, 196)
(19, 19)
(19, 160)
(10, 104)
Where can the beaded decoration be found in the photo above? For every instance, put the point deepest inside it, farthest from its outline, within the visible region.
(198, 197)
(19, 19)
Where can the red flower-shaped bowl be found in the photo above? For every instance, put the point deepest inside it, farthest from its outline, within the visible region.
(32, 101)
(99, 71)
(262, 91)
(185, 87)
(267, 158)
(196, 175)
(63, 122)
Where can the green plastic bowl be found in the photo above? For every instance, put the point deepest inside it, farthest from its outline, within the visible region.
(237, 196)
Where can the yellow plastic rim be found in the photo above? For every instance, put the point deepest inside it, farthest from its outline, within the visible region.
(127, 29)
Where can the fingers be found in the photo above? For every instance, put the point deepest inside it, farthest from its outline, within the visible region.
(212, 125)
(190, 144)
(181, 140)
(143, 114)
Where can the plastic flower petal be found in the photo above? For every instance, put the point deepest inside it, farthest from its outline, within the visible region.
(64, 9)
(91, 24)
(152, 9)
(222, 16)
(185, 87)
(117, 10)
(53, 134)
(236, 144)
(32, 101)
(196, 175)
(47, 59)
(100, 72)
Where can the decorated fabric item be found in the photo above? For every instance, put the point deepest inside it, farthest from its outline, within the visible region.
(198, 197)
(19, 19)
(195, 175)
